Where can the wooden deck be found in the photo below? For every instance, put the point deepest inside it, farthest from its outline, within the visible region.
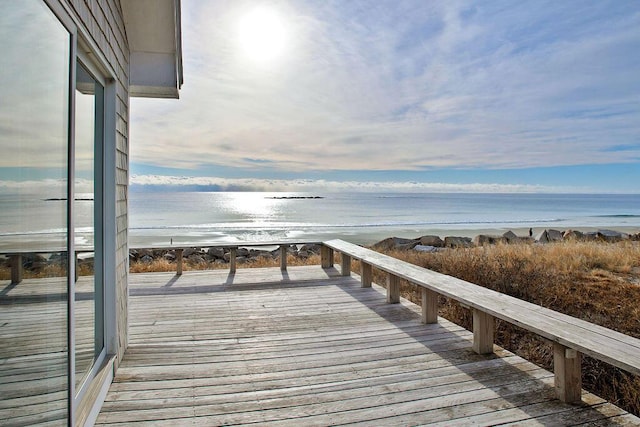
(308, 347)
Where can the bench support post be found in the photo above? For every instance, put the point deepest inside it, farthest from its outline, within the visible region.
(365, 274)
(232, 260)
(283, 257)
(16, 268)
(326, 257)
(393, 289)
(483, 326)
(345, 264)
(178, 262)
(567, 373)
(429, 306)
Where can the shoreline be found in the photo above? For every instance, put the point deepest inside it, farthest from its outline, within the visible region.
(364, 236)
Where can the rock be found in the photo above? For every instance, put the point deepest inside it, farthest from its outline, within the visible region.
(572, 235)
(187, 252)
(457, 242)
(170, 256)
(548, 236)
(242, 260)
(315, 249)
(408, 246)
(554, 235)
(242, 252)
(483, 239)
(196, 259)
(611, 236)
(394, 243)
(144, 252)
(511, 237)
(266, 255)
(434, 241)
(254, 253)
(426, 248)
(304, 254)
(216, 253)
(147, 259)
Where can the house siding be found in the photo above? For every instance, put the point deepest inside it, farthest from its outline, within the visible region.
(103, 21)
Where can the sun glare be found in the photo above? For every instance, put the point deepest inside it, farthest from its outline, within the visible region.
(262, 34)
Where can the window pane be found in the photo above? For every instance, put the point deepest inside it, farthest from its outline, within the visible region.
(34, 70)
(88, 224)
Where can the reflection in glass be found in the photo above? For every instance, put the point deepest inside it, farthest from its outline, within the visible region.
(87, 220)
(33, 225)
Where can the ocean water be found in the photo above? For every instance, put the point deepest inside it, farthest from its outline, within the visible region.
(364, 218)
(159, 219)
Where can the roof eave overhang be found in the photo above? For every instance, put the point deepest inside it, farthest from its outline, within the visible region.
(155, 45)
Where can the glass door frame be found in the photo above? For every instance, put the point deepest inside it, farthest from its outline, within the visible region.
(99, 214)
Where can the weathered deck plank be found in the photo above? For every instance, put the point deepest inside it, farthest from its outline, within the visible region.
(307, 346)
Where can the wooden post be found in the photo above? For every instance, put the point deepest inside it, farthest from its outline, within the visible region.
(16, 268)
(393, 289)
(232, 260)
(345, 264)
(483, 326)
(179, 262)
(366, 274)
(283, 257)
(567, 373)
(326, 257)
(429, 306)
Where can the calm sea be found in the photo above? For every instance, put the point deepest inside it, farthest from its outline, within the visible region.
(198, 218)
(162, 218)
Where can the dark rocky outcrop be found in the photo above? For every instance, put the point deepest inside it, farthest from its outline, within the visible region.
(434, 241)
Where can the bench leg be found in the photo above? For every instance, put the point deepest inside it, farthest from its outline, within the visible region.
(393, 289)
(178, 262)
(232, 260)
(429, 306)
(16, 268)
(366, 275)
(345, 264)
(326, 257)
(567, 373)
(483, 326)
(283, 257)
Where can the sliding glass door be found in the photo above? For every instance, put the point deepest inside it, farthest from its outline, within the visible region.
(52, 133)
(35, 67)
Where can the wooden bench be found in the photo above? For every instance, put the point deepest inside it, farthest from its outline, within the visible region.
(16, 258)
(571, 337)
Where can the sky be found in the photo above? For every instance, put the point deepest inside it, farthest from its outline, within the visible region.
(398, 95)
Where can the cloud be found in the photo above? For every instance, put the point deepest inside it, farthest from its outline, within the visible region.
(403, 86)
(183, 183)
(45, 188)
